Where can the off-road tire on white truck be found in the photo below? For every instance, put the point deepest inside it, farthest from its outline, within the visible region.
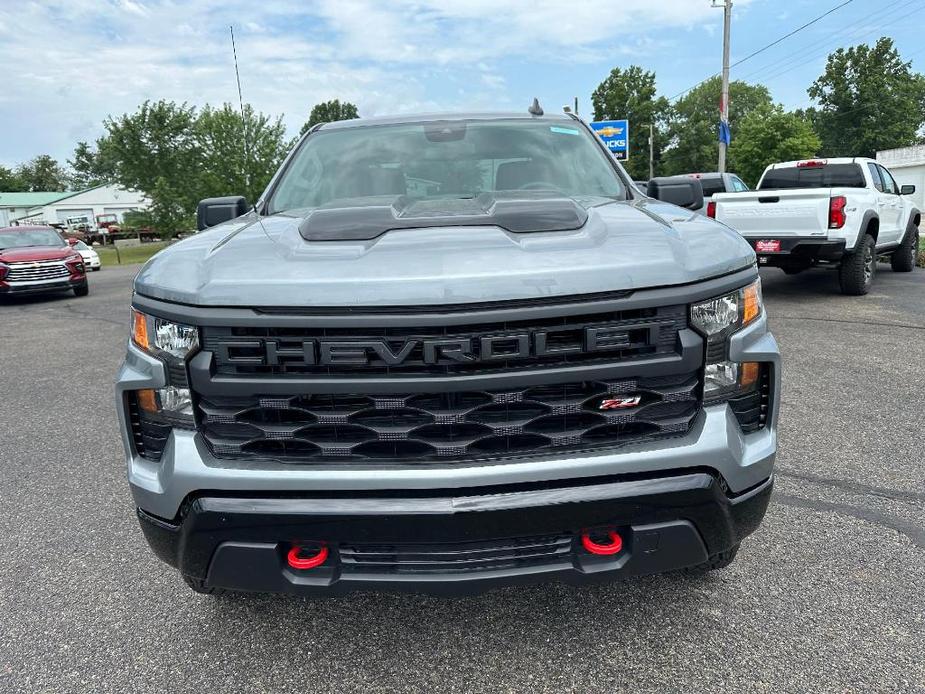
(857, 269)
(904, 257)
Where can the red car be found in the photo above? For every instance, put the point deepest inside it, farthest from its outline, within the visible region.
(36, 260)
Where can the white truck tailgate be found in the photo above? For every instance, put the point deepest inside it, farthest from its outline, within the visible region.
(775, 213)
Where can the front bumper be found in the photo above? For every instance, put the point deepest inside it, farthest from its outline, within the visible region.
(42, 286)
(799, 251)
(464, 541)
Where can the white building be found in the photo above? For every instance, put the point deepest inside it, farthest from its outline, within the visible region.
(908, 167)
(106, 199)
(16, 205)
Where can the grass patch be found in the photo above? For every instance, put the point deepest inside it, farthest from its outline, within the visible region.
(128, 254)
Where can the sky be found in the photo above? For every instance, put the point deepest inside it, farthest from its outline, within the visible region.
(67, 65)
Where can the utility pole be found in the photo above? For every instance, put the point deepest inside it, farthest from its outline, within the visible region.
(724, 102)
(651, 151)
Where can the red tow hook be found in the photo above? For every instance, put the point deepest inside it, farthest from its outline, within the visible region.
(298, 562)
(612, 547)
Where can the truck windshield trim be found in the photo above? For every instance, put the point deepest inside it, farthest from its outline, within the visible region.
(451, 159)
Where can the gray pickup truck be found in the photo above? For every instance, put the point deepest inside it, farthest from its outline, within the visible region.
(446, 353)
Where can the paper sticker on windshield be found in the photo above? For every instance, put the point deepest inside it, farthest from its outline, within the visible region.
(563, 131)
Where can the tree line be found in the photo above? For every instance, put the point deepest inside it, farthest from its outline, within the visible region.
(867, 99)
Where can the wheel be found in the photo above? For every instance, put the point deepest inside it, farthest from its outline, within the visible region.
(856, 272)
(717, 561)
(904, 257)
(82, 291)
(199, 586)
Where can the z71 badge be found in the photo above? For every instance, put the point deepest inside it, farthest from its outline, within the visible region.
(619, 403)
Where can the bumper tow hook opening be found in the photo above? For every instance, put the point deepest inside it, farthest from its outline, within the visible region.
(296, 561)
(614, 545)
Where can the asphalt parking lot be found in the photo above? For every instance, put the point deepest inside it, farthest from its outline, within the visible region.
(828, 595)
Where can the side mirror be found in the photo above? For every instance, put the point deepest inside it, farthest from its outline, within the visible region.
(682, 191)
(212, 211)
(72, 241)
(906, 189)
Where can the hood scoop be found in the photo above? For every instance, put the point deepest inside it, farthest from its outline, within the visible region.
(362, 219)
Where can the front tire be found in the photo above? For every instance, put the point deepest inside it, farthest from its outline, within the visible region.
(199, 586)
(904, 257)
(716, 562)
(82, 291)
(856, 272)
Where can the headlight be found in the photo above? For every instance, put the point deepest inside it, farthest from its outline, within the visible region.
(717, 319)
(160, 337)
(174, 344)
(728, 313)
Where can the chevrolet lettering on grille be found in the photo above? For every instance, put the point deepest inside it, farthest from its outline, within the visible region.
(519, 345)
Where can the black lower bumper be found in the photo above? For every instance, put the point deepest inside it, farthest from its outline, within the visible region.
(461, 543)
(798, 251)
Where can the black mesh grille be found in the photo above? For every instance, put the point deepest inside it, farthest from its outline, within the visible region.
(752, 410)
(148, 434)
(450, 426)
(460, 557)
(280, 352)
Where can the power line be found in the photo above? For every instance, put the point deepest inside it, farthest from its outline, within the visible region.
(787, 36)
(800, 60)
(764, 48)
(809, 51)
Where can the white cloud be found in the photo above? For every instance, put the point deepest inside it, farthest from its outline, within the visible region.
(67, 64)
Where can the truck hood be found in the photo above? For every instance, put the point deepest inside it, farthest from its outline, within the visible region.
(621, 246)
(35, 254)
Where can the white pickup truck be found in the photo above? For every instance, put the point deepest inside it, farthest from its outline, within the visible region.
(838, 212)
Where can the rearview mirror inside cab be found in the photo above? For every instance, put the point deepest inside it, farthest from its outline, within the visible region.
(682, 191)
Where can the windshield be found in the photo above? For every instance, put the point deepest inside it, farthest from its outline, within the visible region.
(446, 159)
(37, 237)
(827, 176)
(81, 246)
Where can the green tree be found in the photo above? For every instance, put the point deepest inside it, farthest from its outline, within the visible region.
(869, 99)
(239, 157)
(768, 135)
(10, 182)
(89, 167)
(630, 94)
(41, 174)
(328, 112)
(156, 143)
(156, 150)
(694, 120)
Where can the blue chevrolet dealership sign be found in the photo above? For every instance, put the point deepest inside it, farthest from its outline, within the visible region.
(616, 135)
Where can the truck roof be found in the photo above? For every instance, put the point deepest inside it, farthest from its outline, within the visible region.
(428, 117)
(827, 160)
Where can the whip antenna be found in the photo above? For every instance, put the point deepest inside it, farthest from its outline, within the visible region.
(237, 76)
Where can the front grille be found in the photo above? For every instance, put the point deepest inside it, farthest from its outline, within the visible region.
(458, 557)
(479, 424)
(280, 352)
(34, 272)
